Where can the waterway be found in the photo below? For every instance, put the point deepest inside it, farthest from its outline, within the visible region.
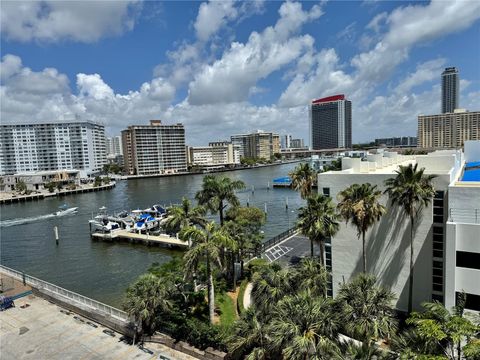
(103, 270)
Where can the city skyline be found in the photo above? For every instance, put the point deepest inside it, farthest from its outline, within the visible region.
(224, 68)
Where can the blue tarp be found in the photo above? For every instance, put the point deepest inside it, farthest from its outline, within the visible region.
(283, 180)
(472, 164)
(471, 175)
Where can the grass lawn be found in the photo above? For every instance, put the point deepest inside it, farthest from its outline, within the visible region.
(226, 308)
(241, 293)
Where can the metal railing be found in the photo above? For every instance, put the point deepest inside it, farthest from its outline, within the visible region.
(67, 295)
(272, 242)
(468, 216)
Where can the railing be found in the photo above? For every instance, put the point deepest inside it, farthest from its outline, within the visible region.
(272, 242)
(67, 295)
(469, 216)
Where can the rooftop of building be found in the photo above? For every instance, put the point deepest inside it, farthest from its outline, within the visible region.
(51, 122)
(463, 168)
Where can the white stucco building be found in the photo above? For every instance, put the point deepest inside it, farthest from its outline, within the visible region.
(51, 146)
(441, 238)
(221, 153)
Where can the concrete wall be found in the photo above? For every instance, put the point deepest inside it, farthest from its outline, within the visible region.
(472, 150)
(387, 243)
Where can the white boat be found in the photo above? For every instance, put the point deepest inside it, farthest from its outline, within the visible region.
(66, 211)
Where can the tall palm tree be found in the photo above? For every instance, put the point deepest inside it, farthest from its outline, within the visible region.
(366, 309)
(411, 190)
(312, 276)
(359, 203)
(303, 178)
(146, 298)
(318, 221)
(217, 192)
(206, 245)
(305, 327)
(183, 215)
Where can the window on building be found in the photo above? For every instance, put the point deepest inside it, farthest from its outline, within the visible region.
(472, 301)
(469, 260)
(326, 191)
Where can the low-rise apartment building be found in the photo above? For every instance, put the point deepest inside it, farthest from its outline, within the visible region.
(438, 239)
(215, 154)
(154, 149)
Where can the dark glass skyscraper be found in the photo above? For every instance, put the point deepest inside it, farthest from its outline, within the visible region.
(450, 89)
(331, 123)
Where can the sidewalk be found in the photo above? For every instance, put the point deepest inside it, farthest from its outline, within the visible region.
(43, 330)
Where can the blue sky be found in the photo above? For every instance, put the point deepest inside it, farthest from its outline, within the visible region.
(228, 67)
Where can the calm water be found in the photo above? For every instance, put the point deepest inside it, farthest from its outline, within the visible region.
(103, 270)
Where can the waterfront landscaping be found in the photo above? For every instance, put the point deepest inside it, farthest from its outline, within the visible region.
(292, 315)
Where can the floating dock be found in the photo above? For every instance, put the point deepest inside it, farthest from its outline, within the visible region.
(145, 238)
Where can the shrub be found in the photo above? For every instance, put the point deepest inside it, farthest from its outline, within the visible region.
(50, 186)
(98, 181)
(254, 266)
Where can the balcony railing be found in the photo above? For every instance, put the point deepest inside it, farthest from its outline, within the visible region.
(468, 216)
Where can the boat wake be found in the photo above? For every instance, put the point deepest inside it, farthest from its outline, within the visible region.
(21, 221)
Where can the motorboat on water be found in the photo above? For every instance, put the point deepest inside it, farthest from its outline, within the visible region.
(65, 210)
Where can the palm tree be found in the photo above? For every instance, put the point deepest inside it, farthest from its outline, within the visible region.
(206, 245)
(360, 205)
(183, 215)
(249, 338)
(312, 276)
(146, 299)
(270, 285)
(366, 309)
(443, 329)
(318, 221)
(411, 190)
(305, 327)
(351, 350)
(217, 192)
(303, 178)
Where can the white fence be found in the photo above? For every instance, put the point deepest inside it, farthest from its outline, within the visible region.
(68, 296)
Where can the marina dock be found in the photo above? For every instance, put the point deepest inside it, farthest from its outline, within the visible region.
(145, 238)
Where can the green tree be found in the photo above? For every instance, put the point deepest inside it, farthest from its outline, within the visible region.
(312, 276)
(303, 178)
(351, 350)
(359, 204)
(217, 192)
(244, 225)
(411, 190)
(206, 245)
(146, 299)
(184, 215)
(318, 221)
(98, 181)
(249, 338)
(444, 329)
(366, 309)
(270, 285)
(21, 186)
(305, 327)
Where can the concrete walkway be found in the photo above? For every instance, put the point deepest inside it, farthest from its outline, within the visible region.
(43, 330)
(247, 296)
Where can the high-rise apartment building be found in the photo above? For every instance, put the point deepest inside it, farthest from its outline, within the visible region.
(297, 144)
(285, 141)
(448, 130)
(114, 145)
(331, 123)
(257, 145)
(50, 146)
(154, 149)
(446, 252)
(450, 90)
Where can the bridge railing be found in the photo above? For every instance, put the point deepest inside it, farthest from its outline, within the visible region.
(66, 295)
